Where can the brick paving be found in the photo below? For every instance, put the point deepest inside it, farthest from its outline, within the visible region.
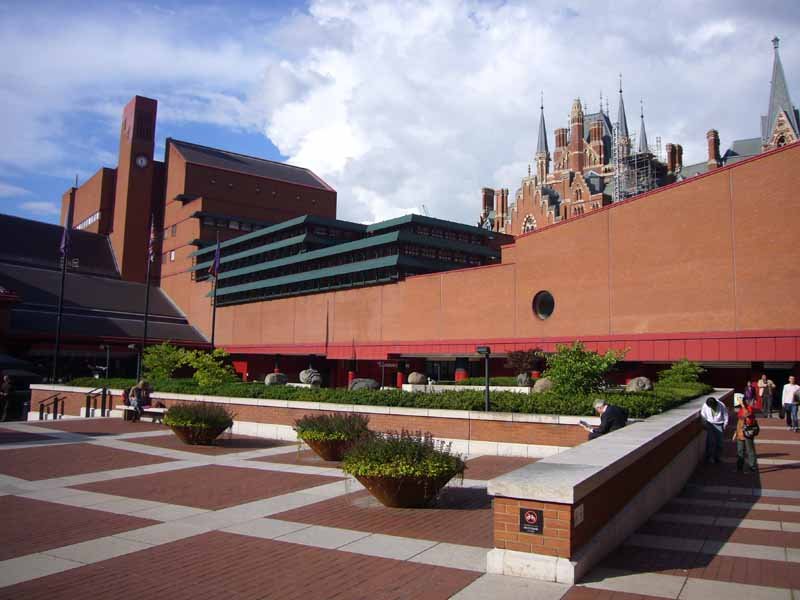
(224, 565)
(9, 436)
(45, 462)
(210, 486)
(461, 516)
(305, 458)
(487, 467)
(225, 444)
(101, 426)
(30, 526)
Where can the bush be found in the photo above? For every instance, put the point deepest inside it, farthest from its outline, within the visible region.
(210, 368)
(204, 415)
(574, 370)
(117, 383)
(345, 427)
(403, 454)
(683, 371)
(162, 360)
(481, 381)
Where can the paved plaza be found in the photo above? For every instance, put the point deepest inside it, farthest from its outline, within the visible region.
(103, 508)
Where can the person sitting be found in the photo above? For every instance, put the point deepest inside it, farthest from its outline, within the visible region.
(139, 397)
(611, 418)
(715, 419)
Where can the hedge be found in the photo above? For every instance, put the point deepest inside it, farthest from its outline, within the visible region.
(481, 381)
(639, 405)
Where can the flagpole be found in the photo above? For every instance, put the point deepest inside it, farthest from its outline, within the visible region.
(64, 253)
(214, 300)
(150, 255)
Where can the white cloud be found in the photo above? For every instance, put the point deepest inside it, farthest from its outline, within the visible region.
(41, 209)
(12, 191)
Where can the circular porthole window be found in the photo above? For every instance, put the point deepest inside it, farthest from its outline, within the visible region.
(543, 304)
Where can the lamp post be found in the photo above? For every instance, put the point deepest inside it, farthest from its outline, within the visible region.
(485, 351)
(107, 348)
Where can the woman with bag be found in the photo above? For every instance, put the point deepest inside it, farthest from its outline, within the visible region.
(746, 431)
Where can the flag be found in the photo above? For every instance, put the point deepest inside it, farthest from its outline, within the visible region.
(64, 243)
(151, 245)
(213, 270)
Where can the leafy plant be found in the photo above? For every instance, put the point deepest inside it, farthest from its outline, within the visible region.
(206, 415)
(210, 368)
(525, 361)
(162, 360)
(337, 426)
(683, 371)
(403, 454)
(576, 370)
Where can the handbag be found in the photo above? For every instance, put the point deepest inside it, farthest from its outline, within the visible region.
(751, 431)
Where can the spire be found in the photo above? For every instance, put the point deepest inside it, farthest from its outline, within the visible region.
(779, 101)
(643, 147)
(623, 122)
(541, 146)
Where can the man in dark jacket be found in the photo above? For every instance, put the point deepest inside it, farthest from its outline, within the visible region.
(611, 418)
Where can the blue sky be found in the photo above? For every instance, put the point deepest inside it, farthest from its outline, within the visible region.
(395, 104)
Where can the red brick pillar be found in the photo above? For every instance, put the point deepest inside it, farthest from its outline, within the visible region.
(462, 368)
(401, 379)
(350, 376)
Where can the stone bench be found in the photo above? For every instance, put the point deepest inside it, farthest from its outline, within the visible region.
(556, 518)
(157, 413)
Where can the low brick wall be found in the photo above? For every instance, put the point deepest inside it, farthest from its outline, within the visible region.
(471, 431)
(593, 496)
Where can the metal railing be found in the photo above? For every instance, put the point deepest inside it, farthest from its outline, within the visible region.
(91, 402)
(53, 402)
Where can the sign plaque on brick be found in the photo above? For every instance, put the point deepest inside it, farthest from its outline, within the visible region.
(531, 521)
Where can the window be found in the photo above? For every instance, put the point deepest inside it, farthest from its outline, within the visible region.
(208, 221)
(233, 225)
(174, 229)
(93, 218)
(172, 256)
(543, 304)
(246, 227)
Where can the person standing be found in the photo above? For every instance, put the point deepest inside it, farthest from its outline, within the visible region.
(749, 393)
(766, 389)
(745, 444)
(714, 415)
(6, 391)
(790, 399)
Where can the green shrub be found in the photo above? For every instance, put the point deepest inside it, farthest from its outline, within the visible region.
(210, 368)
(683, 371)
(403, 454)
(162, 360)
(337, 426)
(116, 383)
(206, 415)
(574, 370)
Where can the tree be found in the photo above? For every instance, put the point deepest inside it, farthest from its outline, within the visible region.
(162, 360)
(574, 370)
(210, 368)
(525, 361)
(683, 371)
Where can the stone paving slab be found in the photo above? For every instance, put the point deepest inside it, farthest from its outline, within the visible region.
(209, 487)
(462, 516)
(10, 436)
(30, 526)
(46, 462)
(224, 565)
(307, 458)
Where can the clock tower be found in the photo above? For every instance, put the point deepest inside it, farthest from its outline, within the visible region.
(133, 202)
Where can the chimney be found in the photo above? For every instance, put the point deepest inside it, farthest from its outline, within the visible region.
(596, 140)
(501, 202)
(488, 200)
(713, 149)
(678, 158)
(672, 155)
(561, 147)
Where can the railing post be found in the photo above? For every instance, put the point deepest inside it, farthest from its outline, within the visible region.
(88, 406)
(41, 412)
(103, 404)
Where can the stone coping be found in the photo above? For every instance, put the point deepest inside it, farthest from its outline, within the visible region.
(571, 475)
(434, 388)
(362, 408)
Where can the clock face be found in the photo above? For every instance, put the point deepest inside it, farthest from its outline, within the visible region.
(141, 161)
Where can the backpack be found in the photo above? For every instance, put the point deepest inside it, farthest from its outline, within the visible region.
(751, 428)
(126, 399)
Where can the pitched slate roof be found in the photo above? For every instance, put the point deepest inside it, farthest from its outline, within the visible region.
(33, 243)
(251, 165)
(541, 145)
(643, 147)
(621, 118)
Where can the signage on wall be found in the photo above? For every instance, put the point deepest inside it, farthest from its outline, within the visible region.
(531, 521)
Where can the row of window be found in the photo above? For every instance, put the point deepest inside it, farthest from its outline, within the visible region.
(94, 218)
(237, 225)
(442, 255)
(447, 234)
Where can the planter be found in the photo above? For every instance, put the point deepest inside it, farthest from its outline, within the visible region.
(404, 492)
(197, 436)
(331, 450)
